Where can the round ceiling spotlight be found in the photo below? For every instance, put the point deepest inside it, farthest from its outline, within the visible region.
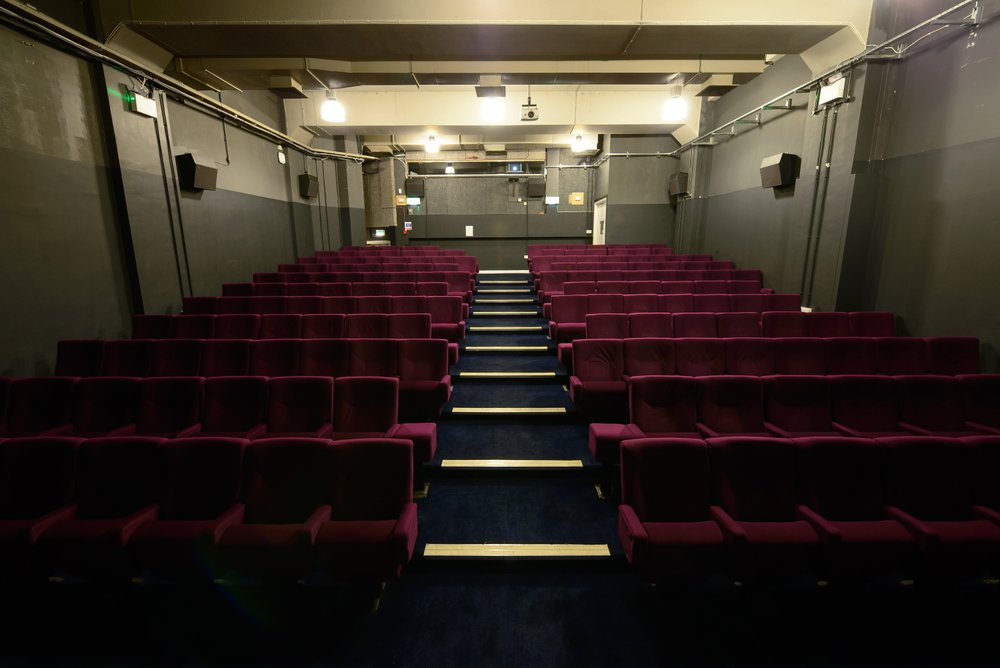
(332, 110)
(676, 108)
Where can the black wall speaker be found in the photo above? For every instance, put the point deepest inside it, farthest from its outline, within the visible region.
(194, 175)
(779, 171)
(308, 185)
(414, 187)
(536, 187)
(677, 185)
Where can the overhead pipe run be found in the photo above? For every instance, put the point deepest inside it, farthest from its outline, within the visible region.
(25, 18)
(783, 101)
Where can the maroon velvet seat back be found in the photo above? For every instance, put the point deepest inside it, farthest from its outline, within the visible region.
(274, 357)
(663, 404)
(116, 476)
(127, 358)
(39, 404)
(731, 404)
(749, 356)
(299, 404)
(666, 480)
(225, 357)
(103, 404)
(176, 357)
(928, 477)
(286, 479)
(840, 477)
(798, 403)
(168, 405)
(365, 404)
(754, 479)
(37, 475)
(865, 403)
(649, 356)
(598, 359)
(201, 476)
(234, 404)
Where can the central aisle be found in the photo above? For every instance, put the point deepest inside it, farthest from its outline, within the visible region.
(513, 478)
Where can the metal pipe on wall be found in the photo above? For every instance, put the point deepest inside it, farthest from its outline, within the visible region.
(827, 165)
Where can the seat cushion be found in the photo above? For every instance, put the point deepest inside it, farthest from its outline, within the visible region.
(682, 548)
(778, 548)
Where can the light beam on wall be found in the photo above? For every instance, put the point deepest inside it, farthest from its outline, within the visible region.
(332, 110)
(431, 145)
(676, 108)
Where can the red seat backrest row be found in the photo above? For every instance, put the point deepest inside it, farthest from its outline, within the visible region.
(420, 364)
(133, 505)
(764, 507)
(789, 406)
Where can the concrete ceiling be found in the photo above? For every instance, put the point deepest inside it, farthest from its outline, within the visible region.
(594, 66)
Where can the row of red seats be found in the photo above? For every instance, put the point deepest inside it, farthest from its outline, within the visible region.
(421, 365)
(447, 313)
(620, 263)
(390, 250)
(794, 406)
(460, 283)
(537, 250)
(568, 313)
(663, 287)
(362, 289)
(248, 407)
(833, 508)
(205, 508)
(769, 324)
(466, 264)
(288, 326)
(551, 283)
(734, 324)
(598, 362)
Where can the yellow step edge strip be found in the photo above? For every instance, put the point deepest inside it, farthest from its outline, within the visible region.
(546, 410)
(512, 464)
(507, 291)
(481, 349)
(506, 374)
(494, 314)
(504, 301)
(523, 550)
(483, 328)
(502, 282)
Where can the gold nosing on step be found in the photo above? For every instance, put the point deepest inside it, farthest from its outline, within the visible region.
(512, 463)
(537, 410)
(517, 550)
(502, 282)
(484, 328)
(507, 291)
(506, 374)
(501, 313)
(504, 301)
(495, 349)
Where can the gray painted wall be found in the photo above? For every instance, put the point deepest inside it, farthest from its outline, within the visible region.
(94, 195)
(928, 248)
(59, 239)
(639, 208)
(504, 221)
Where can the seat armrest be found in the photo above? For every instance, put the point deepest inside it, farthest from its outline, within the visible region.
(311, 526)
(61, 430)
(707, 431)
(39, 527)
(190, 431)
(848, 431)
(733, 531)
(914, 429)
(979, 426)
(827, 531)
(227, 519)
(921, 531)
(984, 513)
(257, 431)
(404, 534)
(323, 432)
(136, 520)
(124, 430)
(776, 430)
(631, 533)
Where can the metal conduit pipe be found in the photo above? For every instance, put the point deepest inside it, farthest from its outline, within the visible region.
(812, 204)
(845, 65)
(24, 18)
(822, 208)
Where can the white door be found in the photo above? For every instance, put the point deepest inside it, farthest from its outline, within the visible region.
(600, 216)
